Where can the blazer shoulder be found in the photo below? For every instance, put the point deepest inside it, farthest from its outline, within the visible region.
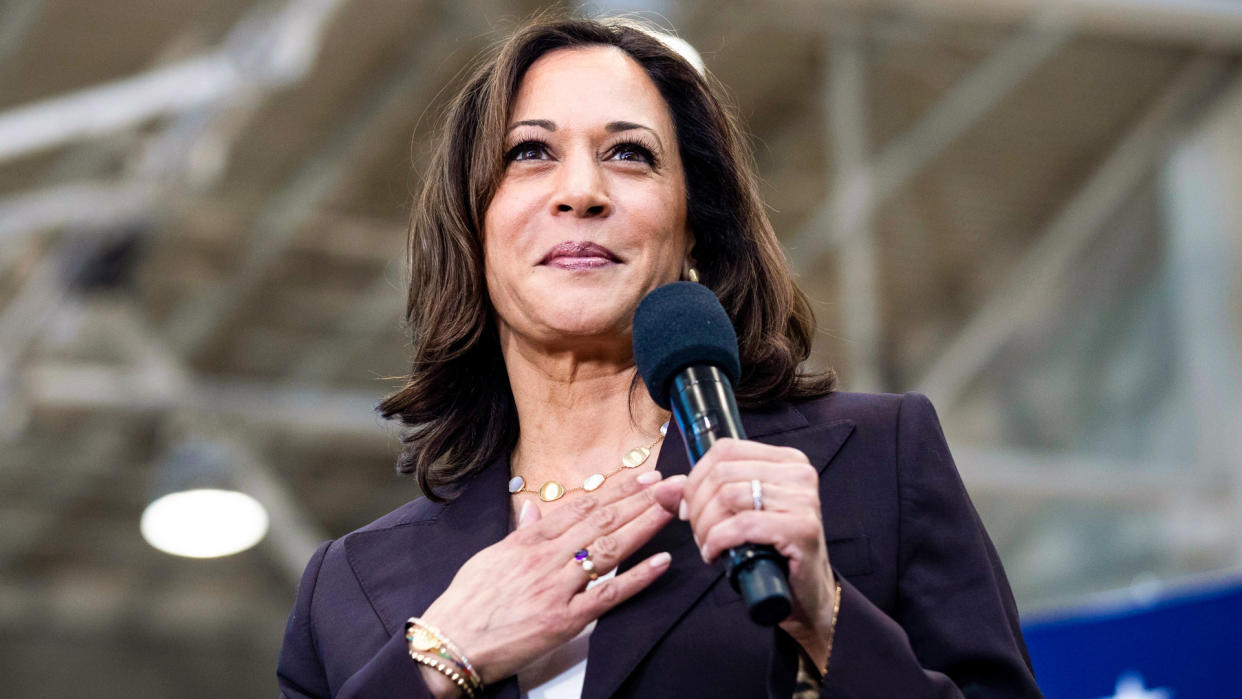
(878, 418)
(418, 510)
(863, 409)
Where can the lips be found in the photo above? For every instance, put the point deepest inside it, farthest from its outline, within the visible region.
(579, 254)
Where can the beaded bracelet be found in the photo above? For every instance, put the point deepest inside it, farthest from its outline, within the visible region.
(429, 646)
(437, 664)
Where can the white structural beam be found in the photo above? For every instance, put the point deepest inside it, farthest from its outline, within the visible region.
(264, 50)
(100, 110)
(1026, 293)
(1195, 521)
(856, 263)
(1205, 23)
(94, 205)
(294, 409)
(1201, 269)
(14, 21)
(25, 315)
(857, 193)
(1032, 475)
(1200, 185)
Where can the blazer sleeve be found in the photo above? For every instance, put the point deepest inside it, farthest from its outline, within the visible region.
(955, 632)
(301, 673)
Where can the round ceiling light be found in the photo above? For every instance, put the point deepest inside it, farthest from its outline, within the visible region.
(204, 523)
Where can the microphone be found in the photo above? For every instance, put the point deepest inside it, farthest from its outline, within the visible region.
(686, 352)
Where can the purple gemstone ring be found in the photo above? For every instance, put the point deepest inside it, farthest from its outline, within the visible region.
(583, 558)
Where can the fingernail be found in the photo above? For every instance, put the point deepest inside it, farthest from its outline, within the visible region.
(681, 511)
(660, 560)
(649, 477)
(703, 555)
(522, 512)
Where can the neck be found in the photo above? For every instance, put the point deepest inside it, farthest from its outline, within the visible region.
(579, 411)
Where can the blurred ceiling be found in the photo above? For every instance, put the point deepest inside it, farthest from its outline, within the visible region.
(202, 228)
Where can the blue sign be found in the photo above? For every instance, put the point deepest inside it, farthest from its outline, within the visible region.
(1182, 646)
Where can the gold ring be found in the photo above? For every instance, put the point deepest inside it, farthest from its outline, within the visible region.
(583, 558)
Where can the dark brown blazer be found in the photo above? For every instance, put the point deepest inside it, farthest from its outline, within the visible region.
(925, 608)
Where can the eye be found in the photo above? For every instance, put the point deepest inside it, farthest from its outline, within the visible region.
(632, 152)
(527, 150)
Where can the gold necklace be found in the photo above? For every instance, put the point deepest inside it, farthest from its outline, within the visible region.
(552, 490)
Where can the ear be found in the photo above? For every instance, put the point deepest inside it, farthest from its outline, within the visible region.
(689, 266)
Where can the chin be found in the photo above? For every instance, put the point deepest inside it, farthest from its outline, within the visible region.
(586, 315)
(589, 324)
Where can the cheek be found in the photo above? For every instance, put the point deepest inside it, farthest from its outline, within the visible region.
(502, 236)
(669, 220)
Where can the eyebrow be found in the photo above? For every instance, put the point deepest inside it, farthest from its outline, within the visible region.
(541, 123)
(610, 127)
(618, 126)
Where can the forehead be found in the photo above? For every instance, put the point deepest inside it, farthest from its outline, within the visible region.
(595, 83)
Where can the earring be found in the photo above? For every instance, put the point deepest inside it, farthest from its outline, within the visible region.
(692, 274)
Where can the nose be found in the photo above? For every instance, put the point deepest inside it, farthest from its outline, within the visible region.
(581, 189)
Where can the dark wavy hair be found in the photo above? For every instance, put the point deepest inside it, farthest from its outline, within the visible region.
(456, 401)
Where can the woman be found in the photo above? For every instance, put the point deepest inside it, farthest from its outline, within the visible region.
(583, 165)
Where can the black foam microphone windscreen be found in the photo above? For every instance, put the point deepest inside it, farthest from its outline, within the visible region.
(677, 325)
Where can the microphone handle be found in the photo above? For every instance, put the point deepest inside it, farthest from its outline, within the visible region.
(705, 410)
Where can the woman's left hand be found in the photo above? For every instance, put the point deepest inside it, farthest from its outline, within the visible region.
(717, 500)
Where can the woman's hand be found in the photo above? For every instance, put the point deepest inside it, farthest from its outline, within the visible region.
(526, 595)
(717, 500)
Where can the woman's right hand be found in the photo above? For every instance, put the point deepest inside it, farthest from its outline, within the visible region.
(526, 595)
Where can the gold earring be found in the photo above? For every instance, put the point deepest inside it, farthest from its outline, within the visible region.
(692, 274)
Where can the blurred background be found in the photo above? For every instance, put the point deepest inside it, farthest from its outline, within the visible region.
(1028, 210)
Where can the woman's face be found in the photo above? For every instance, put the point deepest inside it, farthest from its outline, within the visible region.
(590, 214)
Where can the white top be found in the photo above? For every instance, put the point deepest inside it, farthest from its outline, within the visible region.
(559, 674)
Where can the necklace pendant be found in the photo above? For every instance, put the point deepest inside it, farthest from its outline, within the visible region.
(593, 482)
(551, 491)
(516, 484)
(635, 457)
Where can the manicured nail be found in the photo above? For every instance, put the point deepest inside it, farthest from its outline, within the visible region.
(649, 477)
(703, 554)
(660, 560)
(681, 511)
(522, 512)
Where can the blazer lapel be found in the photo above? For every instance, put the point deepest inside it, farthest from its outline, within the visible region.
(625, 635)
(403, 568)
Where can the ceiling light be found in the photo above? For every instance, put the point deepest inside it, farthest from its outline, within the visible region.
(197, 512)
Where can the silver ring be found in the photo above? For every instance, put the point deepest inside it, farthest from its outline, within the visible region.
(756, 494)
